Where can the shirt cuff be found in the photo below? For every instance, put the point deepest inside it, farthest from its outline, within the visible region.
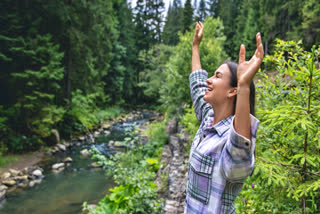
(240, 141)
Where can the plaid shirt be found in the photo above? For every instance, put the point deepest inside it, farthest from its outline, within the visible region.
(220, 159)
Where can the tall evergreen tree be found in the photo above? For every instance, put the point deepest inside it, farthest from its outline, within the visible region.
(172, 24)
(155, 9)
(228, 10)
(187, 16)
(202, 10)
(213, 5)
(311, 22)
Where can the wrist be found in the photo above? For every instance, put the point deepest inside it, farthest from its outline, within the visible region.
(243, 88)
(195, 45)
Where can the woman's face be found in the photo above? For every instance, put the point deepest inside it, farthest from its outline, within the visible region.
(218, 86)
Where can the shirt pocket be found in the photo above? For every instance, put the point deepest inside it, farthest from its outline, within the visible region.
(200, 174)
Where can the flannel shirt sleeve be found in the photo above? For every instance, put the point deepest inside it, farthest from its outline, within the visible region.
(198, 86)
(238, 153)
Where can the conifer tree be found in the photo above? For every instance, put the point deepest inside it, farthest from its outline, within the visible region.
(187, 16)
(172, 24)
(213, 5)
(202, 10)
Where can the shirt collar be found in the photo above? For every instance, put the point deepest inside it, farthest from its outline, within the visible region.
(221, 127)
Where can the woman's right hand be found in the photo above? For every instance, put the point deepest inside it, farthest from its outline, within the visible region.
(198, 34)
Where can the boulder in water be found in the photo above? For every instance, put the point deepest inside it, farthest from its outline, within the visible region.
(61, 147)
(85, 152)
(95, 165)
(37, 173)
(57, 166)
(67, 160)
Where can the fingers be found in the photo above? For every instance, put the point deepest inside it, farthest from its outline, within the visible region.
(200, 24)
(259, 52)
(201, 30)
(242, 54)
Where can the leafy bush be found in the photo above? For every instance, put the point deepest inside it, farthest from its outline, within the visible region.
(286, 175)
(134, 171)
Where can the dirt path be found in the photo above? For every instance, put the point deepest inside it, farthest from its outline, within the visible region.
(25, 160)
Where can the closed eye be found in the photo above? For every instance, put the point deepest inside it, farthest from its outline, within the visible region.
(217, 74)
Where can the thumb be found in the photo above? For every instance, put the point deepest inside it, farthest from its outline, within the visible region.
(242, 54)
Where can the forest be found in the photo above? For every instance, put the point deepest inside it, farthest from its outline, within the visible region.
(69, 65)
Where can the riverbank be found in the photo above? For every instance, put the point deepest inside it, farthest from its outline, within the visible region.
(26, 160)
(67, 184)
(19, 173)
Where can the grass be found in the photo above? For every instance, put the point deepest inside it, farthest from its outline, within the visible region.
(7, 159)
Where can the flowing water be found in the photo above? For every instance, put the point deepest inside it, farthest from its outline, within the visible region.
(66, 191)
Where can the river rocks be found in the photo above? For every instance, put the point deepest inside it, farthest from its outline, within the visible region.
(5, 175)
(23, 178)
(14, 172)
(106, 132)
(173, 175)
(117, 143)
(9, 183)
(57, 166)
(15, 178)
(106, 126)
(34, 182)
(37, 173)
(85, 152)
(3, 187)
(96, 133)
(61, 147)
(67, 160)
(95, 165)
(171, 127)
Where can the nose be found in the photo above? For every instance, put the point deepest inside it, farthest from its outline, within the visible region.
(209, 81)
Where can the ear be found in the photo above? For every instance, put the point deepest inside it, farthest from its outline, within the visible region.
(232, 92)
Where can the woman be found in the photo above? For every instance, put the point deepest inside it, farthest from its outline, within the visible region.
(222, 152)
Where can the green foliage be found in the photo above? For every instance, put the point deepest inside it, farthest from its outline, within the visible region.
(173, 23)
(175, 93)
(155, 61)
(134, 172)
(190, 121)
(40, 77)
(187, 16)
(287, 160)
(6, 159)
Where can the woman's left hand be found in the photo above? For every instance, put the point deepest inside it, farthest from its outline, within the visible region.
(247, 69)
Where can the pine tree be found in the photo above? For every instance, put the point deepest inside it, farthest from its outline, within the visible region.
(311, 22)
(172, 24)
(213, 5)
(155, 9)
(187, 16)
(202, 10)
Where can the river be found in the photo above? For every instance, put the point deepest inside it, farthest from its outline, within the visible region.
(65, 192)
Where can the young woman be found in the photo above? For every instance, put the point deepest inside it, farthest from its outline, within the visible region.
(222, 152)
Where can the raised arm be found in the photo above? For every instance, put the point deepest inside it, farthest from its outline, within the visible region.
(198, 77)
(245, 73)
(196, 65)
(238, 154)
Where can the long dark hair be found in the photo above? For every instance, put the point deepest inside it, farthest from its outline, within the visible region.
(233, 83)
